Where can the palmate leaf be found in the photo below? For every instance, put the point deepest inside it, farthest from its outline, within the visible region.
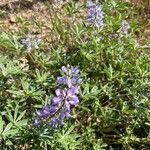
(21, 116)
(90, 92)
(22, 122)
(16, 112)
(68, 140)
(10, 69)
(16, 117)
(3, 59)
(41, 76)
(7, 128)
(27, 90)
(9, 131)
(9, 43)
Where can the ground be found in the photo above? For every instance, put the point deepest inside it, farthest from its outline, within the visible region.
(35, 16)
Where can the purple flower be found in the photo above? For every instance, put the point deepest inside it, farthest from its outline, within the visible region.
(54, 123)
(61, 80)
(125, 27)
(75, 70)
(75, 80)
(63, 115)
(95, 14)
(60, 94)
(29, 42)
(64, 69)
(75, 89)
(71, 98)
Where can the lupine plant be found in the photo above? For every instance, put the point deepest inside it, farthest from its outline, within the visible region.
(85, 87)
(63, 100)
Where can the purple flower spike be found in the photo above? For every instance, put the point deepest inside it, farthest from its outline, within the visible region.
(30, 43)
(75, 89)
(125, 27)
(39, 113)
(65, 98)
(46, 109)
(71, 92)
(76, 80)
(95, 14)
(69, 82)
(73, 100)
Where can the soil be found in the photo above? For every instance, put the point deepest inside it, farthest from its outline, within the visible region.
(22, 16)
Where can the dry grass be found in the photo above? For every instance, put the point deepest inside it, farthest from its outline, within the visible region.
(143, 6)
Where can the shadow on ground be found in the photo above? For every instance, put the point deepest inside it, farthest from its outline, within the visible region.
(17, 6)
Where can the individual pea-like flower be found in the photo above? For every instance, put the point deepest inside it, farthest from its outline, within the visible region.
(65, 98)
(61, 80)
(54, 122)
(95, 14)
(71, 98)
(29, 42)
(125, 27)
(63, 115)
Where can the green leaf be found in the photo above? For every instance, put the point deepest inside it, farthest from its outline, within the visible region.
(16, 112)
(18, 93)
(8, 127)
(11, 132)
(21, 115)
(1, 124)
(22, 122)
(9, 115)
